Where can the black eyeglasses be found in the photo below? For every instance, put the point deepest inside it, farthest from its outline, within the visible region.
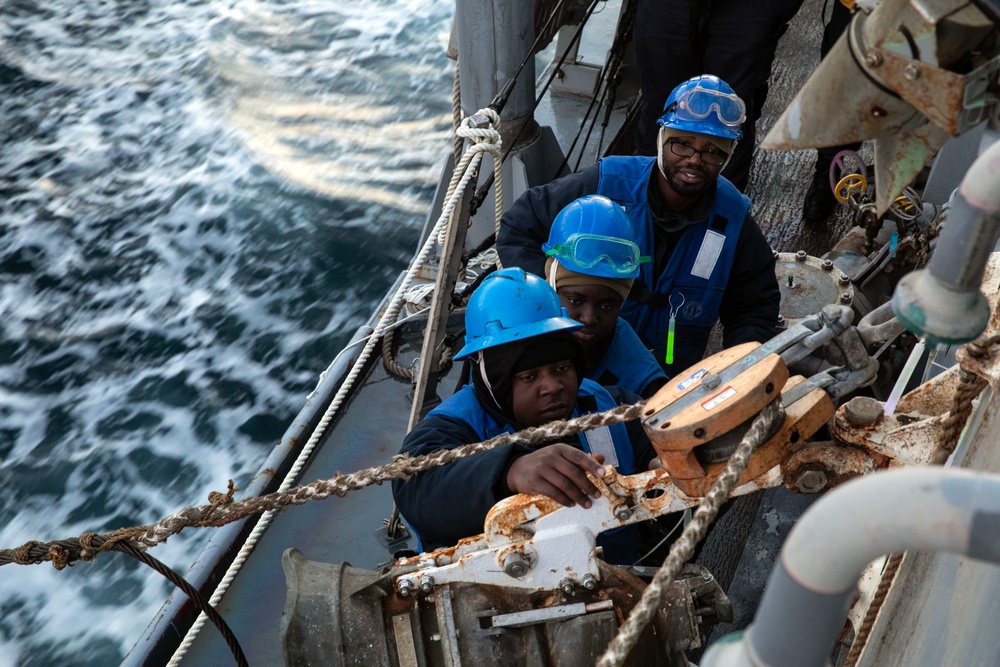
(711, 156)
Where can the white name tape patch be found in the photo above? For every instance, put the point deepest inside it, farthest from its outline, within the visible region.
(708, 254)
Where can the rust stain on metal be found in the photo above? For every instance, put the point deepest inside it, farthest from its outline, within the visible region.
(504, 517)
(839, 463)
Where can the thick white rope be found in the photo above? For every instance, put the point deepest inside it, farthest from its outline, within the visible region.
(485, 140)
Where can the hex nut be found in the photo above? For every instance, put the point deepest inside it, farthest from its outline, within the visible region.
(863, 411)
(800, 256)
(811, 481)
(515, 565)
(589, 582)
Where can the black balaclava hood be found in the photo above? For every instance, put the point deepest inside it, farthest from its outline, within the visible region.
(500, 363)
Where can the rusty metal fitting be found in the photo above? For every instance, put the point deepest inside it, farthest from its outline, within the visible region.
(567, 586)
(623, 513)
(827, 265)
(863, 411)
(589, 582)
(873, 58)
(911, 72)
(844, 280)
(811, 480)
(800, 256)
(404, 587)
(515, 565)
(845, 297)
(426, 584)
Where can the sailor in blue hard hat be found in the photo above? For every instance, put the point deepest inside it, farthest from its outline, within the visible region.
(701, 116)
(591, 261)
(526, 371)
(709, 261)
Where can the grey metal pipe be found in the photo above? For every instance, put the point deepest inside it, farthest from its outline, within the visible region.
(493, 37)
(943, 301)
(803, 608)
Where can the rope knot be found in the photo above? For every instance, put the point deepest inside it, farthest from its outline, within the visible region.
(22, 554)
(59, 556)
(482, 129)
(90, 545)
(216, 499)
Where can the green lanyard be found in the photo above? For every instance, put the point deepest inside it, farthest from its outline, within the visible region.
(671, 325)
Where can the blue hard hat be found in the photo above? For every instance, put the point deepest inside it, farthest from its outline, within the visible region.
(512, 305)
(705, 104)
(593, 236)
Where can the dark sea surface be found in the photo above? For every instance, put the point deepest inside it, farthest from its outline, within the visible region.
(199, 204)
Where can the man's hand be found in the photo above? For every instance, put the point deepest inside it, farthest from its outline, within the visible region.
(559, 472)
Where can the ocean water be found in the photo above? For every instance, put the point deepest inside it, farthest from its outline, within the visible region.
(199, 203)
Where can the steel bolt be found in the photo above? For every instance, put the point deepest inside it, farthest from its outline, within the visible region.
(781, 319)
(515, 565)
(568, 586)
(863, 411)
(845, 297)
(623, 513)
(404, 587)
(811, 481)
(710, 381)
(844, 280)
(479, 120)
(873, 58)
(828, 265)
(800, 256)
(911, 72)
(589, 582)
(426, 583)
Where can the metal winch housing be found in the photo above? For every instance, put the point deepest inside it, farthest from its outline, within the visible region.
(338, 615)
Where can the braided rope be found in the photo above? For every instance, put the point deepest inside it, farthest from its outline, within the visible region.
(464, 170)
(970, 385)
(484, 140)
(456, 113)
(684, 547)
(223, 509)
(861, 638)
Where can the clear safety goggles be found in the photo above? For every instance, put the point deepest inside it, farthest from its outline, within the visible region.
(588, 250)
(700, 103)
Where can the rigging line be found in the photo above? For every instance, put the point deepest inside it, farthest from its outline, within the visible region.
(625, 27)
(607, 87)
(484, 189)
(500, 100)
(193, 593)
(590, 130)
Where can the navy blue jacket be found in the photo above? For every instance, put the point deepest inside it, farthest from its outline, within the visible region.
(628, 364)
(748, 305)
(451, 502)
